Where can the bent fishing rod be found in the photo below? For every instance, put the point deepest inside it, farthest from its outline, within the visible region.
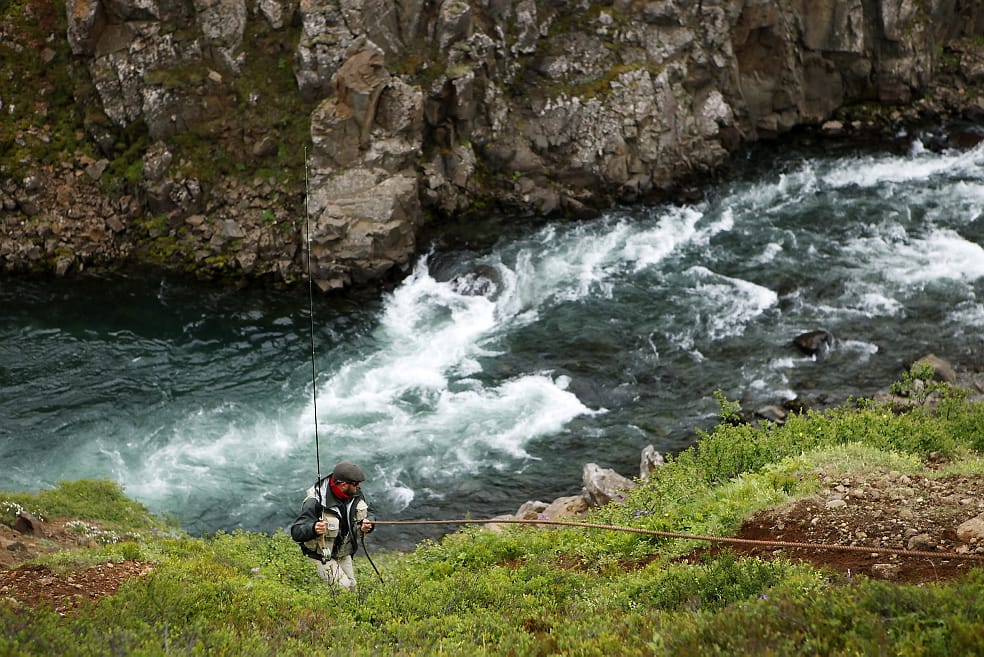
(866, 549)
(695, 537)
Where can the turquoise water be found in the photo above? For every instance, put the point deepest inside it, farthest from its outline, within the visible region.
(508, 357)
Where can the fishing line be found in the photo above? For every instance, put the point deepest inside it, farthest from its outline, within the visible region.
(314, 369)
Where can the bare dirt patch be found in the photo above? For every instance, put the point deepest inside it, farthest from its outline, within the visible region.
(885, 510)
(37, 586)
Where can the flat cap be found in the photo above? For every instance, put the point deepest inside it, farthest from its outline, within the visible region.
(348, 471)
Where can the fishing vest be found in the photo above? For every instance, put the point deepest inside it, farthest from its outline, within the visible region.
(354, 511)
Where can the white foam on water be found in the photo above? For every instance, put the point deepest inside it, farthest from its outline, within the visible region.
(865, 298)
(768, 254)
(941, 254)
(783, 363)
(419, 397)
(920, 165)
(727, 304)
(416, 395)
(771, 390)
(770, 381)
(774, 196)
(416, 405)
(863, 350)
(968, 313)
(187, 465)
(557, 267)
(649, 247)
(398, 496)
(972, 193)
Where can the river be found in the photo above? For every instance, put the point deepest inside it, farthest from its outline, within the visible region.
(512, 354)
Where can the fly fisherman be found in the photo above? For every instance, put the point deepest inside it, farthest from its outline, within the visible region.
(333, 517)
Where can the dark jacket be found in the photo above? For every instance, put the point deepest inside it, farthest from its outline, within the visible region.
(302, 531)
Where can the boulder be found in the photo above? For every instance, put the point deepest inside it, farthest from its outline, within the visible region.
(816, 343)
(921, 542)
(972, 530)
(650, 460)
(602, 485)
(364, 201)
(772, 413)
(565, 507)
(27, 523)
(942, 370)
(530, 510)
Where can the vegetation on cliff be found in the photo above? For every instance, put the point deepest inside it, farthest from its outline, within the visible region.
(173, 135)
(538, 591)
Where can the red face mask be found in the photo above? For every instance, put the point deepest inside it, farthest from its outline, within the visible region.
(336, 489)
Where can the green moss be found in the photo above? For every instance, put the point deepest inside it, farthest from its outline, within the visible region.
(601, 87)
(50, 104)
(126, 169)
(89, 499)
(152, 226)
(41, 120)
(182, 76)
(218, 262)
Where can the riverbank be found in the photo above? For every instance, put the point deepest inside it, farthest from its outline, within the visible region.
(601, 486)
(915, 477)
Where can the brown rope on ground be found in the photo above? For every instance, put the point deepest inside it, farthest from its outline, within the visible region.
(695, 537)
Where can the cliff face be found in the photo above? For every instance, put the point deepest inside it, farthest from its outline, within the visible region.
(199, 134)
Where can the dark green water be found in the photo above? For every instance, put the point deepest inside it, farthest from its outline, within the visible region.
(593, 340)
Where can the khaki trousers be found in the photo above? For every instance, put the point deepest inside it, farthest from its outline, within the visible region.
(338, 571)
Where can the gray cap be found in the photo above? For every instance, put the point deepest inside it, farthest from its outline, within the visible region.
(348, 471)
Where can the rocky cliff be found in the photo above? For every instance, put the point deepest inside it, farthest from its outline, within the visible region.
(220, 137)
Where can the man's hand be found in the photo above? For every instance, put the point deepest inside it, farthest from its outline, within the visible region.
(320, 527)
(368, 526)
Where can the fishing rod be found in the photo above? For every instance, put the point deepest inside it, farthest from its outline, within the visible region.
(696, 537)
(314, 369)
(836, 547)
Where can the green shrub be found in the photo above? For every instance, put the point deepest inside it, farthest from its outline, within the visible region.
(869, 618)
(87, 499)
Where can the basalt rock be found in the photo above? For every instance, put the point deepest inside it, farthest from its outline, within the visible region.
(602, 485)
(364, 195)
(649, 460)
(816, 343)
(27, 523)
(425, 111)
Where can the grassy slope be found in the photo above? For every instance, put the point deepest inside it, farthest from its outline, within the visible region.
(541, 592)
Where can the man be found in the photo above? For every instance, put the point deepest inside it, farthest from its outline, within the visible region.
(333, 517)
